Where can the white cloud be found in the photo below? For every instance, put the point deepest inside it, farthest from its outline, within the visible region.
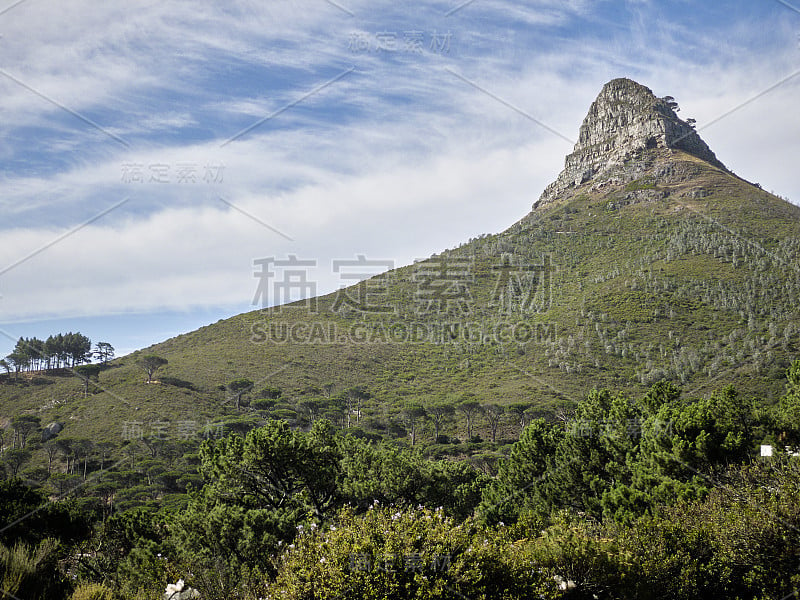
(182, 257)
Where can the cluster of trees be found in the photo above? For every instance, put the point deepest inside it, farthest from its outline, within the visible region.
(667, 284)
(64, 350)
(135, 472)
(464, 414)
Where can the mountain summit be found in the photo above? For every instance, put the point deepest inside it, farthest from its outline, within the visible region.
(626, 121)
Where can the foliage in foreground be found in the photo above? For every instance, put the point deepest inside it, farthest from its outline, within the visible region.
(676, 507)
(742, 541)
(30, 571)
(401, 554)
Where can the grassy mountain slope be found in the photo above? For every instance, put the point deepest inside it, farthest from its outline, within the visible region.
(670, 268)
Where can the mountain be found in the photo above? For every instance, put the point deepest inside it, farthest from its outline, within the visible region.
(646, 259)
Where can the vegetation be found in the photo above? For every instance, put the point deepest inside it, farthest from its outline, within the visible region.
(57, 351)
(653, 496)
(151, 363)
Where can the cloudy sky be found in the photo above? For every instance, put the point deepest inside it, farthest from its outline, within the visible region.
(151, 151)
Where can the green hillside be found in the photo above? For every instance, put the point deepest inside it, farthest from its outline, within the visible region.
(690, 278)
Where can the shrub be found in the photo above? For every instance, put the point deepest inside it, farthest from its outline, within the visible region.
(576, 553)
(92, 591)
(396, 554)
(30, 571)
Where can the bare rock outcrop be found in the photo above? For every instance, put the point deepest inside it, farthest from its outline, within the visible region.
(626, 121)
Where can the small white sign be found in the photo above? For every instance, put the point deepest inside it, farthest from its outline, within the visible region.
(766, 450)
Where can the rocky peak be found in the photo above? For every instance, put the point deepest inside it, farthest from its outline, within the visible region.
(626, 121)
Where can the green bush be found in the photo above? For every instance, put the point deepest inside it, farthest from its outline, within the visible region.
(406, 554)
(742, 541)
(577, 552)
(92, 591)
(30, 572)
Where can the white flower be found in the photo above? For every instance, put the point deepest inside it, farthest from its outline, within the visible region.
(333, 528)
(174, 588)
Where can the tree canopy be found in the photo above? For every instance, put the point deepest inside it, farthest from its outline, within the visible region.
(151, 363)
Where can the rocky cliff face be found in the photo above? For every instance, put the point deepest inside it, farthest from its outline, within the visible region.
(626, 121)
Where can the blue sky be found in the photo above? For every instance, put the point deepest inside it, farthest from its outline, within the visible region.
(384, 129)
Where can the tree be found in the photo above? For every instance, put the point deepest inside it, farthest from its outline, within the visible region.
(259, 488)
(439, 414)
(83, 449)
(5, 365)
(413, 416)
(356, 396)
(238, 388)
(15, 458)
(86, 373)
(470, 409)
(270, 392)
(660, 393)
(77, 348)
(520, 412)
(313, 407)
(493, 412)
(263, 404)
(51, 448)
(104, 449)
(23, 426)
(67, 448)
(591, 460)
(787, 412)
(151, 363)
(104, 352)
(521, 479)
(19, 361)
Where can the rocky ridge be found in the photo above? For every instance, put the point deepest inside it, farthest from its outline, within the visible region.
(627, 132)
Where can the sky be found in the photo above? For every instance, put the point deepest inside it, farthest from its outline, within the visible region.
(158, 160)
